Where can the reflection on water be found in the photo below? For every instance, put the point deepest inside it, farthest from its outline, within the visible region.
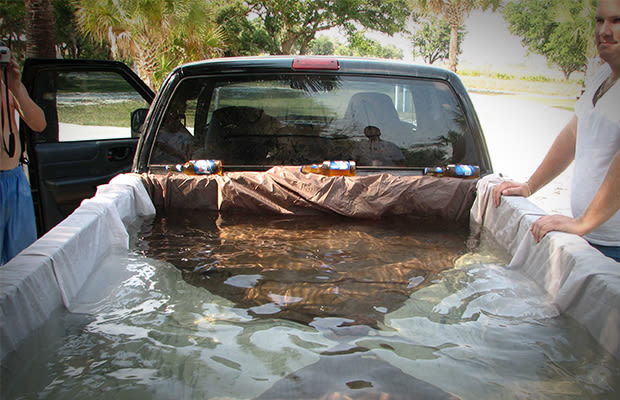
(300, 268)
(339, 378)
(239, 330)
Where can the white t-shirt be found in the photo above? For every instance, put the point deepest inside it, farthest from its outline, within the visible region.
(598, 141)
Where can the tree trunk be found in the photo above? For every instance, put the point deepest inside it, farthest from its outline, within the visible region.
(455, 13)
(40, 29)
(286, 47)
(145, 59)
(454, 49)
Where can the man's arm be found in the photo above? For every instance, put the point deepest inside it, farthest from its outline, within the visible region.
(604, 205)
(29, 111)
(558, 158)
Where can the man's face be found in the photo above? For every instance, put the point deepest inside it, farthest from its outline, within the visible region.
(608, 31)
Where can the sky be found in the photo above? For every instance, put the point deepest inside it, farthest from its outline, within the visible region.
(488, 44)
(488, 40)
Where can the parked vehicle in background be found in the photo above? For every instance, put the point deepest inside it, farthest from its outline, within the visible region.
(251, 113)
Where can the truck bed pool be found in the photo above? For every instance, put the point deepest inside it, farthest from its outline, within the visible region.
(538, 319)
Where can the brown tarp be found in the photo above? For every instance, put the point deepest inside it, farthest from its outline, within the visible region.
(285, 190)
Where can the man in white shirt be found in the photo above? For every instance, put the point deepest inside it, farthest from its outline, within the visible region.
(592, 140)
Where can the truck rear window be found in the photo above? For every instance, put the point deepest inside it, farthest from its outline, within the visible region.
(297, 119)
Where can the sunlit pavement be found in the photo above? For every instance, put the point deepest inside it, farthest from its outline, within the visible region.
(518, 135)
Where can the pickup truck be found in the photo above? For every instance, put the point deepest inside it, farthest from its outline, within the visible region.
(251, 113)
(491, 330)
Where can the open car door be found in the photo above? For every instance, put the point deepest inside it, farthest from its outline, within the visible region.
(88, 138)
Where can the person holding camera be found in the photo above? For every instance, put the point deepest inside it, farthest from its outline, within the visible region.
(17, 221)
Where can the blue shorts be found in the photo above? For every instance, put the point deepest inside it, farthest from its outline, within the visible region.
(17, 224)
(609, 251)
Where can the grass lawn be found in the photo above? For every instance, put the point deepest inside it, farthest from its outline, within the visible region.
(557, 102)
(103, 114)
(552, 92)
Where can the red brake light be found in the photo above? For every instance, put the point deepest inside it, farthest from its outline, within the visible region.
(315, 63)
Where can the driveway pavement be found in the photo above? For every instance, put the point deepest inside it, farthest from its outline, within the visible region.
(518, 134)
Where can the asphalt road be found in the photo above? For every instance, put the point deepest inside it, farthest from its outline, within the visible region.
(518, 134)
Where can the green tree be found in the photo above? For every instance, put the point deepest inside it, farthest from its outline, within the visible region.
(560, 30)
(67, 37)
(359, 45)
(322, 46)
(243, 35)
(454, 12)
(69, 43)
(362, 46)
(292, 24)
(12, 24)
(432, 40)
(156, 35)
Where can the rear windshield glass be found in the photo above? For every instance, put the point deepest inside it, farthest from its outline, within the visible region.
(300, 119)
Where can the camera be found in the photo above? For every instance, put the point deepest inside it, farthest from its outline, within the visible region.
(5, 55)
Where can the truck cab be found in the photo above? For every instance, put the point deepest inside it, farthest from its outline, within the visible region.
(251, 113)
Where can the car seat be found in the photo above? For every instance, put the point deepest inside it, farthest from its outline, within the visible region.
(377, 109)
(241, 135)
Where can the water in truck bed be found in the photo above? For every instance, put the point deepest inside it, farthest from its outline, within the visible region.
(301, 268)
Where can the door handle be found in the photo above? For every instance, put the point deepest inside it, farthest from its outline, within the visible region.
(119, 153)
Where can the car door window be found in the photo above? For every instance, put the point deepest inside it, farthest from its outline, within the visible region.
(95, 105)
(90, 105)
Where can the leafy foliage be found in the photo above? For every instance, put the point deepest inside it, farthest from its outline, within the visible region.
(12, 24)
(359, 45)
(432, 40)
(292, 24)
(155, 34)
(243, 36)
(454, 12)
(560, 30)
(70, 43)
(322, 46)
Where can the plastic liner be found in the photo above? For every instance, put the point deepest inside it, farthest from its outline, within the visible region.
(49, 273)
(285, 190)
(582, 282)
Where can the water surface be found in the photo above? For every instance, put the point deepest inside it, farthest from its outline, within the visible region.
(211, 306)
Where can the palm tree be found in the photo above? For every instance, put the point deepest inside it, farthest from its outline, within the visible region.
(40, 29)
(454, 12)
(156, 35)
